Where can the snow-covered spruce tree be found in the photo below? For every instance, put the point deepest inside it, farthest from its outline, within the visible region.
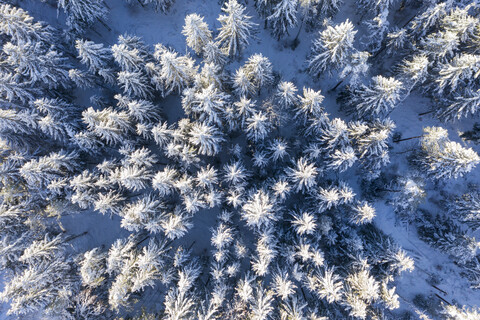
(81, 14)
(111, 202)
(11, 90)
(38, 64)
(443, 233)
(260, 210)
(17, 127)
(39, 172)
(92, 54)
(326, 8)
(467, 208)
(371, 145)
(206, 138)
(460, 106)
(176, 223)
(356, 68)
(377, 99)
(333, 196)
(309, 10)
(242, 85)
(197, 32)
(283, 17)
(160, 5)
(210, 74)
(303, 175)
(362, 212)
(287, 94)
(461, 70)
(20, 26)
(81, 78)
(413, 72)
(93, 268)
(452, 312)
(332, 49)
(303, 222)
(128, 58)
(134, 269)
(442, 158)
(213, 54)
(107, 124)
(209, 104)
(176, 72)
(310, 106)
(43, 249)
(135, 84)
(258, 126)
(145, 213)
(396, 39)
(236, 28)
(428, 18)
(335, 135)
(133, 177)
(410, 195)
(142, 111)
(40, 287)
(264, 8)
(342, 159)
(258, 71)
(377, 29)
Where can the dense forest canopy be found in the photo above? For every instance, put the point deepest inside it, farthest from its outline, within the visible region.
(291, 159)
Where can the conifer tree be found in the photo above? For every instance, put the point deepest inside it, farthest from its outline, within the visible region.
(127, 57)
(135, 84)
(303, 175)
(372, 146)
(258, 70)
(12, 90)
(258, 126)
(37, 64)
(206, 138)
(83, 13)
(197, 32)
(332, 49)
(467, 208)
(92, 54)
(160, 5)
(176, 72)
(236, 28)
(39, 287)
(107, 124)
(377, 99)
(409, 197)
(286, 94)
(19, 25)
(284, 16)
(442, 158)
(462, 105)
(213, 54)
(463, 69)
(242, 84)
(81, 78)
(209, 104)
(93, 268)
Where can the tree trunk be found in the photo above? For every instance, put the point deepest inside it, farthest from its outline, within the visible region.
(295, 41)
(404, 139)
(76, 236)
(104, 24)
(424, 113)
